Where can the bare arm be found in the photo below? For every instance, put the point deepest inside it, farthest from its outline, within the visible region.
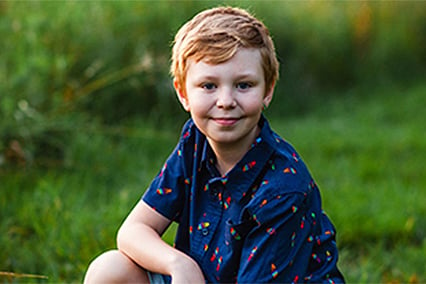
(140, 239)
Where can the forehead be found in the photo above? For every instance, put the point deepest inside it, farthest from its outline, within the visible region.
(245, 60)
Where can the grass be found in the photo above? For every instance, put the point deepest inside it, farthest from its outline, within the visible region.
(366, 152)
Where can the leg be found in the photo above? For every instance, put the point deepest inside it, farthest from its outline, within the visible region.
(114, 267)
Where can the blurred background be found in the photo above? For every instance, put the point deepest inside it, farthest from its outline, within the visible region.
(88, 115)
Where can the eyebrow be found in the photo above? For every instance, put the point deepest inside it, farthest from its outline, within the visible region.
(243, 76)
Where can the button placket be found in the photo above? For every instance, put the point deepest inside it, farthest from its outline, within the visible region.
(216, 188)
(213, 219)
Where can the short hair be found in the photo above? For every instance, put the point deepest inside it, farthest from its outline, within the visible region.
(215, 35)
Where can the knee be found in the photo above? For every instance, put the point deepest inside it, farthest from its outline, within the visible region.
(114, 267)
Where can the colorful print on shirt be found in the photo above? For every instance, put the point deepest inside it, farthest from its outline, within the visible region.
(261, 222)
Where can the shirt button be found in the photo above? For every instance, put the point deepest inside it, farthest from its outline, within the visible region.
(205, 232)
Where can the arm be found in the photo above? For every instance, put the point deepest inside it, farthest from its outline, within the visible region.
(150, 251)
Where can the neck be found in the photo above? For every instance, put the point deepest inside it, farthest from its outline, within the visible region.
(229, 154)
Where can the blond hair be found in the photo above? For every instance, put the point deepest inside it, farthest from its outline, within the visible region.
(215, 35)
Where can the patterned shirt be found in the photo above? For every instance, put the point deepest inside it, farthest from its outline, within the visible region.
(261, 222)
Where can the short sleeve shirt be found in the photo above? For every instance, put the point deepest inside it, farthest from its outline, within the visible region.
(261, 222)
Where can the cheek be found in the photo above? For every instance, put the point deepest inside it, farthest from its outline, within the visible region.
(198, 106)
(253, 106)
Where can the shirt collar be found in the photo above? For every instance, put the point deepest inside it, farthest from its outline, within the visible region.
(246, 172)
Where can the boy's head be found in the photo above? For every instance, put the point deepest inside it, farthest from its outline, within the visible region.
(215, 35)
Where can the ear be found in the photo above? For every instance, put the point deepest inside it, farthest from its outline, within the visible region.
(268, 95)
(180, 92)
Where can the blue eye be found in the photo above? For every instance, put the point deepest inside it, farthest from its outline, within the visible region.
(208, 86)
(243, 85)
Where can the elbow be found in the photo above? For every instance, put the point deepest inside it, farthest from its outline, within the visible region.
(124, 237)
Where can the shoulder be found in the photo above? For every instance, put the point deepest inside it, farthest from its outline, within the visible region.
(288, 172)
(181, 157)
(287, 183)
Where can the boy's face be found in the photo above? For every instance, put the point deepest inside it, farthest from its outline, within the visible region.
(226, 100)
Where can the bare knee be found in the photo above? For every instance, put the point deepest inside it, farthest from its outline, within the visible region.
(114, 267)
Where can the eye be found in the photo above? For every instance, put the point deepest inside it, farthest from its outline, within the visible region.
(244, 85)
(208, 86)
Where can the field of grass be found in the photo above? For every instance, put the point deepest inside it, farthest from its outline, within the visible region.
(366, 149)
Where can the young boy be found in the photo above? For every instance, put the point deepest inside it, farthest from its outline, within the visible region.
(247, 207)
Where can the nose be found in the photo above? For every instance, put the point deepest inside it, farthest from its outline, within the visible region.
(225, 99)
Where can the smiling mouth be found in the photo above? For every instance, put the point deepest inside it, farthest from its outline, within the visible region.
(224, 121)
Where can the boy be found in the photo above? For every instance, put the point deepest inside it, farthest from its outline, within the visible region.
(247, 207)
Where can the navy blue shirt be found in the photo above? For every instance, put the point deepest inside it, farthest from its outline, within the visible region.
(261, 222)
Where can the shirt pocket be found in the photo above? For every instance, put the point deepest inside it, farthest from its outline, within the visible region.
(235, 233)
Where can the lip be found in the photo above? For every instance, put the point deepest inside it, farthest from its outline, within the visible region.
(226, 121)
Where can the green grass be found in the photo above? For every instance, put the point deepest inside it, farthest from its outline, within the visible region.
(368, 157)
(365, 149)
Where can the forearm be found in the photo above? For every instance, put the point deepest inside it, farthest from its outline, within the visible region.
(140, 239)
(150, 251)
